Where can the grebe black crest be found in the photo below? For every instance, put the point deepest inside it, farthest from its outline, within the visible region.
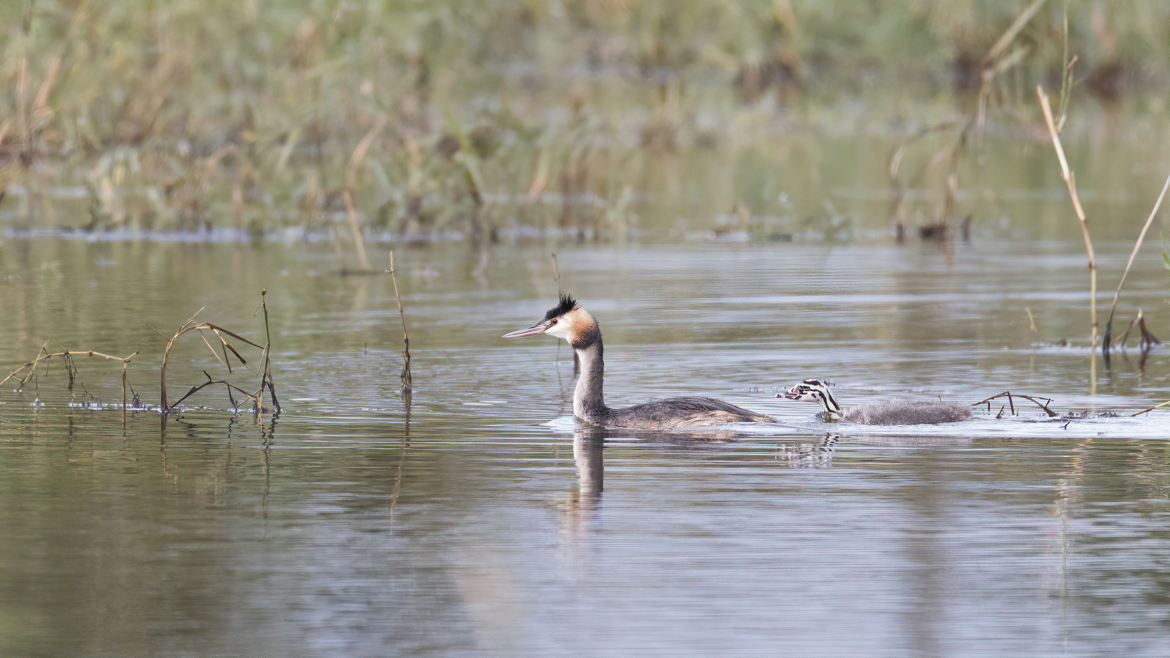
(889, 412)
(566, 304)
(573, 324)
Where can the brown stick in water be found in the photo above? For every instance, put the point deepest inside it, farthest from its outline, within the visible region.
(1009, 395)
(405, 376)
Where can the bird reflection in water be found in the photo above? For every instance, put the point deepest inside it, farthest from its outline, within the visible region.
(579, 508)
(582, 502)
(817, 454)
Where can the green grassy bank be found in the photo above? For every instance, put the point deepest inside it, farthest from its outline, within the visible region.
(411, 117)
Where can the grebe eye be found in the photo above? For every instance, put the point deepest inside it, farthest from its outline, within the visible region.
(552, 322)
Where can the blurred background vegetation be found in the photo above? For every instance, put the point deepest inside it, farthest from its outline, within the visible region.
(413, 119)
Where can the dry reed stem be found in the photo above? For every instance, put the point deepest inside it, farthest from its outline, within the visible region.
(45, 355)
(539, 177)
(245, 172)
(22, 80)
(995, 63)
(1148, 339)
(1125, 334)
(67, 355)
(1149, 409)
(1013, 30)
(125, 365)
(22, 114)
(949, 199)
(1132, 255)
(41, 100)
(266, 376)
(351, 172)
(1071, 182)
(405, 376)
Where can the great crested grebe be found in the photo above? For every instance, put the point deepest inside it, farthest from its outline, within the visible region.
(577, 326)
(889, 412)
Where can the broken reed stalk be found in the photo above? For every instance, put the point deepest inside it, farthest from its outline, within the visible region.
(1009, 395)
(1071, 182)
(1148, 339)
(125, 364)
(1013, 31)
(67, 356)
(1132, 255)
(28, 370)
(997, 61)
(230, 387)
(266, 370)
(405, 376)
(1149, 409)
(190, 326)
(351, 172)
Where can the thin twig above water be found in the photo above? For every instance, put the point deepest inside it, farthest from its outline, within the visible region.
(405, 376)
(1105, 344)
(1010, 398)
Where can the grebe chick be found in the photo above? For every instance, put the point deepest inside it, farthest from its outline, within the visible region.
(578, 327)
(888, 412)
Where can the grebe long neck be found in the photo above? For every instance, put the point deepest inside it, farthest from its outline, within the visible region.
(589, 396)
(832, 409)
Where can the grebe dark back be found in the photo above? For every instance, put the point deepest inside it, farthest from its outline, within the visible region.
(888, 412)
(567, 320)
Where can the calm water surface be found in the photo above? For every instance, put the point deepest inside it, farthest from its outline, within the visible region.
(480, 520)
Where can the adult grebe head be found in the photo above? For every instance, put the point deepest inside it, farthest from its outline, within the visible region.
(566, 320)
